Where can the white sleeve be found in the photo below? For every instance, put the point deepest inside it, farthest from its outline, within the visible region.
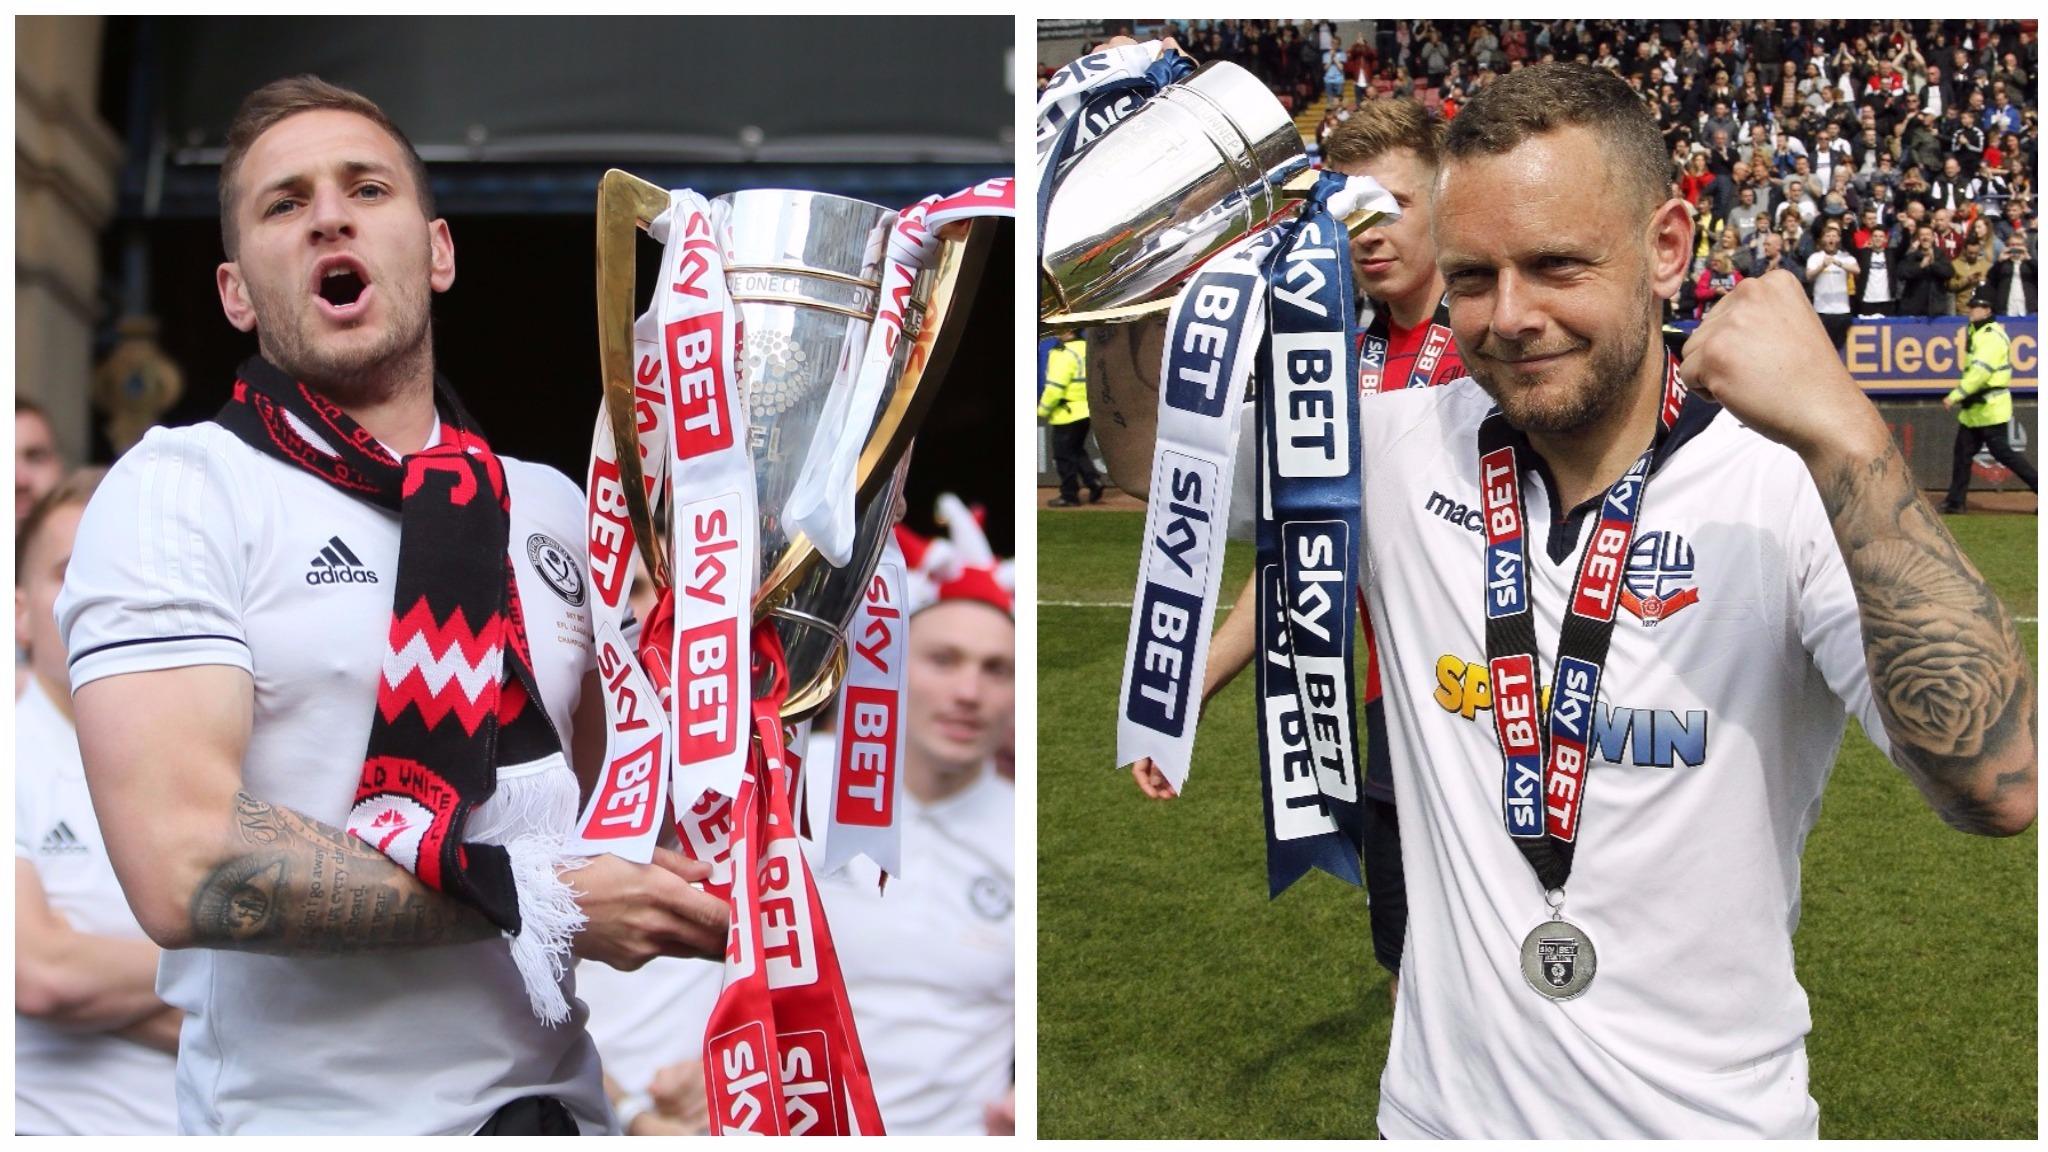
(1830, 626)
(544, 496)
(28, 813)
(155, 579)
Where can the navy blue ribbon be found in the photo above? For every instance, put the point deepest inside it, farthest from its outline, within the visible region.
(1307, 552)
(1105, 108)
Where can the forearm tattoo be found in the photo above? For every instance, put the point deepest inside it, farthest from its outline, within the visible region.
(297, 886)
(1950, 675)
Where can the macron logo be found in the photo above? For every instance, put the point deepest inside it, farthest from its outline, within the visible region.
(337, 565)
(61, 841)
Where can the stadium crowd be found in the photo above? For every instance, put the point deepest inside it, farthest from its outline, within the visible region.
(1913, 143)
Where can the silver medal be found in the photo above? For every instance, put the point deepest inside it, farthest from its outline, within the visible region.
(1558, 959)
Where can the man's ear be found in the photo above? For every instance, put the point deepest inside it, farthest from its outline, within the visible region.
(234, 297)
(1670, 242)
(441, 249)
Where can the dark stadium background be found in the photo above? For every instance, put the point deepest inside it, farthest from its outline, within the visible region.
(517, 119)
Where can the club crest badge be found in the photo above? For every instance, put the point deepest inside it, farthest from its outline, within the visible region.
(1660, 579)
(557, 566)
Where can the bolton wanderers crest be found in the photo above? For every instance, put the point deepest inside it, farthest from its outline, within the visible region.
(1660, 579)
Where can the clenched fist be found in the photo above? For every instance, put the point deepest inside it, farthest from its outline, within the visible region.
(1763, 355)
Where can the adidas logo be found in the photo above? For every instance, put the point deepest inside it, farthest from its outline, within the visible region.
(62, 842)
(337, 565)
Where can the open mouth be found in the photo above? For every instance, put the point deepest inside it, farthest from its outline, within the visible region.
(342, 285)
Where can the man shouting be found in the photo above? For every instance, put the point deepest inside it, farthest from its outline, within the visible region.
(325, 690)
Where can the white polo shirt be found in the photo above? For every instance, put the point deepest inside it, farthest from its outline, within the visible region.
(75, 1083)
(198, 549)
(649, 1018)
(1714, 732)
(930, 963)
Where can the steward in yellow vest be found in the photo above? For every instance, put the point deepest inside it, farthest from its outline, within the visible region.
(1982, 403)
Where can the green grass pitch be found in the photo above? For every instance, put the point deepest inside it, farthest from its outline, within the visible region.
(1917, 943)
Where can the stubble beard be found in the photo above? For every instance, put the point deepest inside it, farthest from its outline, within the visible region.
(350, 373)
(1611, 370)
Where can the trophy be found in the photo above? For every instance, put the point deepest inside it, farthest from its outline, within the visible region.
(1138, 210)
(804, 270)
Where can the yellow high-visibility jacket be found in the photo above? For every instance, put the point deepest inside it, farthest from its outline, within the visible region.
(1066, 384)
(1984, 398)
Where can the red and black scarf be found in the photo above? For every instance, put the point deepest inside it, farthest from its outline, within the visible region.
(457, 697)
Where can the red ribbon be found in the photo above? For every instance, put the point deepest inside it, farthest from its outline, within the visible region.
(781, 1055)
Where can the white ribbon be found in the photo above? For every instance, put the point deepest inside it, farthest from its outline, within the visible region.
(1070, 87)
(626, 809)
(821, 503)
(860, 814)
(713, 530)
(1213, 336)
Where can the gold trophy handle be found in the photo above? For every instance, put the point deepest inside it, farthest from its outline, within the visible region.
(960, 270)
(625, 205)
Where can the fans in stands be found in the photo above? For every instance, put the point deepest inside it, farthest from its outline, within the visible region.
(1924, 270)
(2013, 280)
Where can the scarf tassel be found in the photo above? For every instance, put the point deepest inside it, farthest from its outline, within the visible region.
(548, 920)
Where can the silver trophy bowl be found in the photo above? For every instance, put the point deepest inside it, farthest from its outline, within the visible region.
(805, 270)
(1140, 208)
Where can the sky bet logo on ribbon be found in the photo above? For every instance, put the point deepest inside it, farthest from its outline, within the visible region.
(1175, 576)
(1503, 515)
(1514, 720)
(1594, 599)
(1571, 727)
(1312, 416)
(1318, 592)
(1205, 342)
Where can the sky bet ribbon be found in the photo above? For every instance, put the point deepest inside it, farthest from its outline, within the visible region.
(1212, 338)
(1308, 522)
(1544, 746)
(1092, 95)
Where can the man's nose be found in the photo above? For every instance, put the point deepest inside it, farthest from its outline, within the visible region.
(1516, 315)
(329, 214)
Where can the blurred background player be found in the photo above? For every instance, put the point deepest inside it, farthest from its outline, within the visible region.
(93, 1046)
(37, 464)
(37, 468)
(930, 960)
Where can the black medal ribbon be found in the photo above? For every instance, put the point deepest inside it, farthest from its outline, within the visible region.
(1544, 749)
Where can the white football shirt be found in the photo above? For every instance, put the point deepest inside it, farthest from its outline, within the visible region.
(931, 963)
(1829, 274)
(1718, 718)
(75, 1083)
(647, 1019)
(198, 549)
